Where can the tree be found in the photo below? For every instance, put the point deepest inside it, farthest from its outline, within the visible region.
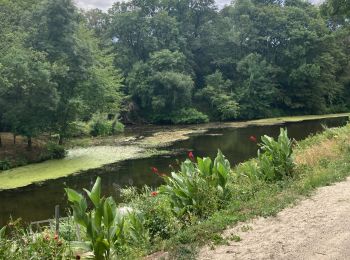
(161, 86)
(84, 78)
(28, 96)
(258, 87)
(222, 100)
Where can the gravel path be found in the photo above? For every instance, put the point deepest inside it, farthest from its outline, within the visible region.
(316, 228)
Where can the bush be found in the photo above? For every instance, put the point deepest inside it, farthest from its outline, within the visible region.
(189, 116)
(101, 126)
(198, 188)
(275, 157)
(107, 230)
(117, 127)
(78, 129)
(159, 218)
(5, 165)
(53, 151)
(18, 243)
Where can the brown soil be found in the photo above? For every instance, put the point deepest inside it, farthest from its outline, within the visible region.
(18, 153)
(317, 228)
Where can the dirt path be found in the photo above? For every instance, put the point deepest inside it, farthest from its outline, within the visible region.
(317, 228)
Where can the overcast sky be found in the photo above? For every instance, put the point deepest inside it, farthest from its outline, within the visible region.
(105, 4)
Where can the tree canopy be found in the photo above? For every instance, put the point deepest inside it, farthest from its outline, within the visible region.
(170, 61)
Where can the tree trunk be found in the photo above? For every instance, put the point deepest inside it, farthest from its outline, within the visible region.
(60, 140)
(29, 143)
(14, 138)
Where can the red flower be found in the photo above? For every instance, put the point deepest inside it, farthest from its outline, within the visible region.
(47, 237)
(253, 138)
(154, 193)
(191, 156)
(155, 170)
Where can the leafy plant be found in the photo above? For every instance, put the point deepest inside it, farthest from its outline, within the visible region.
(2, 232)
(107, 229)
(198, 187)
(159, 219)
(100, 125)
(188, 116)
(56, 151)
(5, 165)
(275, 157)
(102, 226)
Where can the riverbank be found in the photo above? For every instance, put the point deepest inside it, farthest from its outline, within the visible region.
(90, 153)
(320, 160)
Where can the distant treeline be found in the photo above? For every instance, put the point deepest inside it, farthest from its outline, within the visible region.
(170, 61)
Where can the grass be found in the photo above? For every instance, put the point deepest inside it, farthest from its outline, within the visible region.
(249, 198)
(321, 160)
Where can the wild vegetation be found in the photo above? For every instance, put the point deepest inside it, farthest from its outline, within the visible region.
(168, 62)
(197, 201)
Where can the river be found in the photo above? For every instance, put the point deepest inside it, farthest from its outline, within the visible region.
(37, 201)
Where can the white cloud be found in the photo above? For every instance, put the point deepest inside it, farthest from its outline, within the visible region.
(91, 4)
(105, 4)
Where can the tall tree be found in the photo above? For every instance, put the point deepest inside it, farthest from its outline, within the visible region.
(78, 63)
(28, 96)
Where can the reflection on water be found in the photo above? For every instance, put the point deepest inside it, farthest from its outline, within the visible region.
(37, 202)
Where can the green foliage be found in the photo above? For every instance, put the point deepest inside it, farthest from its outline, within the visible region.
(198, 188)
(2, 232)
(274, 162)
(78, 129)
(5, 165)
(223, 105)
(53, 151)
(19, 243)
(275, 157)
(188, 116)
(107, 230)
(100, 125)
(156, 208)
(161, 85)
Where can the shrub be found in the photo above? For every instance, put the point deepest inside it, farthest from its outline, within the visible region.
(5, 165)
(274, 162)
(101, 126)
(107, 230)
(275, 157)
(198, 188)
(159, 218)
(53, 151)
(101, 225)
(78, 129)
(117, 126)
(18, 243)
(189, 116)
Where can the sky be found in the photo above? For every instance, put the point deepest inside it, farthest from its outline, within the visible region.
(105, 4)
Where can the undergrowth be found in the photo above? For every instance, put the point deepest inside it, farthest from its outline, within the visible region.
(202, 198)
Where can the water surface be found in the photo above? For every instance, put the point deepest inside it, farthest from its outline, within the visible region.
(36, 202)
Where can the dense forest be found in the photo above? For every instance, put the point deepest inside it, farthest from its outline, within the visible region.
(167, 61)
